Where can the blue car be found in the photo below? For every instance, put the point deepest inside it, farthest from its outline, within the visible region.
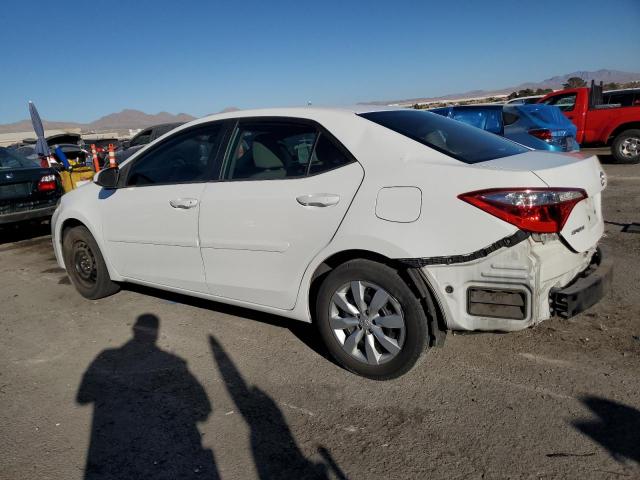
(542, 127)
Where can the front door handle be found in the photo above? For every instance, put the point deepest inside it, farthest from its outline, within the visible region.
(183, 203)
(318, 200)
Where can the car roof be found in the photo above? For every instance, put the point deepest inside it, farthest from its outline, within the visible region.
(299, 112)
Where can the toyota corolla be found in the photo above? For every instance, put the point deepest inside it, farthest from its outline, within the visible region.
(384, 228)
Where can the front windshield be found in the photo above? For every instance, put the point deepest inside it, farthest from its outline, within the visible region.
(13, 160)
(455, 139)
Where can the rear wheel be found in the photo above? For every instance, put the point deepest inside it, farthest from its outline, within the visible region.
(85, 265)
(626, 147)
(370, 320)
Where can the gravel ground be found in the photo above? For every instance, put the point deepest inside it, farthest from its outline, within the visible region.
(230, 393)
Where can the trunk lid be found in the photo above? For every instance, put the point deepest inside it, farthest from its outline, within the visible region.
(585, 225)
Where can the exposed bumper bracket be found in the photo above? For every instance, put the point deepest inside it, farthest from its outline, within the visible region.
(587, 290)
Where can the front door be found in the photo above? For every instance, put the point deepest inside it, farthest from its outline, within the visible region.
(151, 222)
(284, 191)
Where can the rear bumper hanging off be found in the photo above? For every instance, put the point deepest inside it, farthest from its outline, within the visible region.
(587, 290)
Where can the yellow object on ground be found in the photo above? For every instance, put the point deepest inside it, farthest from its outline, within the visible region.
(76, 177)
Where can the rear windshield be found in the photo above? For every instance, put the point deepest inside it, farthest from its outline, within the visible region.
(544, 115)
(12, 159)
(455, 139)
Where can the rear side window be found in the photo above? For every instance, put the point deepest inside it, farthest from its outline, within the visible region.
(455, 139)
(624, 99)
(269, 151)
(566, 102)
(326, 156)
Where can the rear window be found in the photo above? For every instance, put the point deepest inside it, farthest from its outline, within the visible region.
(455, 139)
(544, 115)
(13, 160)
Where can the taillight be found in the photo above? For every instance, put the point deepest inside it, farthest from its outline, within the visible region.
(538, 210)
(542, 133)
(47, 183)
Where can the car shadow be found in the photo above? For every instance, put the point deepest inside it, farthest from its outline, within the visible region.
(305, 332)
(17, 232)
(616, 427)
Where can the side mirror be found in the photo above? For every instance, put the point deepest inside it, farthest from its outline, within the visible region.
(124, 144)
(107, 178)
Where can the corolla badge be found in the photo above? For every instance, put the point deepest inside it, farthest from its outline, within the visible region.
(603, 178)
(8, 176)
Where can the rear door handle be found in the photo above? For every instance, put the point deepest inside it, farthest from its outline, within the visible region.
(183, 203)
(318, 200)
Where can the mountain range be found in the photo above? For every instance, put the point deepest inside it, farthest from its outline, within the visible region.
(136, 119)
(115, 121)
(606, 76)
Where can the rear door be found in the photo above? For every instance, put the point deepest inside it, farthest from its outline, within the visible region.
(151, 221)
(285, 188)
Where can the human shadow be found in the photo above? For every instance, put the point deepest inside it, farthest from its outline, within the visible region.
(274, 449)
(617, 427)
(146, 408)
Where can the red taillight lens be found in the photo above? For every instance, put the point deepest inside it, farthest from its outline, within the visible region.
(538, 210)
(542, 134)
(47, 183)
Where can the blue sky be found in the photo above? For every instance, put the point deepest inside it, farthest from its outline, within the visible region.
(81, 60)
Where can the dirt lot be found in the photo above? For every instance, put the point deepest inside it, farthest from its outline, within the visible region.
(237, 394)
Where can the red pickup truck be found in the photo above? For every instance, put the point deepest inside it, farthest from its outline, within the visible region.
(603, 118)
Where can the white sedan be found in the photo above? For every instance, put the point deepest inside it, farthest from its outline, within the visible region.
(384, 228)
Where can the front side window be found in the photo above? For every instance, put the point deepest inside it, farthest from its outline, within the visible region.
(453, 138)
(566, 102)
(269, 151)
(187, 157)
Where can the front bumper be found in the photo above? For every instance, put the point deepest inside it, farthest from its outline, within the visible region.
(587, 289)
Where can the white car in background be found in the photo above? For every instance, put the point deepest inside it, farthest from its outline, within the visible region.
(385, 228)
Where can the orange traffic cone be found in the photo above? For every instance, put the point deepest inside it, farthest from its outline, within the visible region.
(94, 157)
(112, 156)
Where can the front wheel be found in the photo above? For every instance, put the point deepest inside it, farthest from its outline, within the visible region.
(626, 147)
(370, 320)
(85, 266)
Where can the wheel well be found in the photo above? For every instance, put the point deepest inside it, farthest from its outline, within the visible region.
(411, 276)
(67, 224)
(621, 128)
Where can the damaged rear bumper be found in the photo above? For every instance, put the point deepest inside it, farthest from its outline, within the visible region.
(518, 285)
(586, 290)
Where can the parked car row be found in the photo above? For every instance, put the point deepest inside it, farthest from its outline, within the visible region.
(540, 127)
(603, 119)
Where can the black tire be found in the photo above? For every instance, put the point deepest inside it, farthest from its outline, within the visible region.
(416, 333)
(85, 264)
(620, 147)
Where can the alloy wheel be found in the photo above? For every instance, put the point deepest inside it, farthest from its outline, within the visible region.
(367, 321)
(630, 147)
